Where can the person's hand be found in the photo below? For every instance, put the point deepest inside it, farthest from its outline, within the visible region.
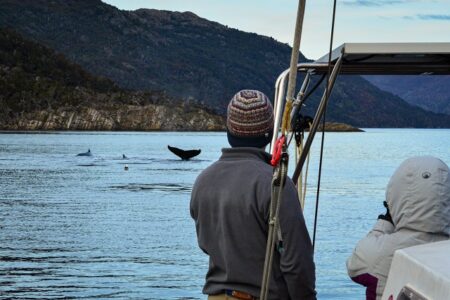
(387, 216)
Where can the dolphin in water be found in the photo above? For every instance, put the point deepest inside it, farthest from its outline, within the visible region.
(124, 156)
(184, 154)
(88, 153)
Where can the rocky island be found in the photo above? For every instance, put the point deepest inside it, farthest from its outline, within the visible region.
(339, 127)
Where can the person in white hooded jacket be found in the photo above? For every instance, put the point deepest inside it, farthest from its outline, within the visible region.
(418, 212)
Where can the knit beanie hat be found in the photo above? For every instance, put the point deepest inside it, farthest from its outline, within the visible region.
(249, 119)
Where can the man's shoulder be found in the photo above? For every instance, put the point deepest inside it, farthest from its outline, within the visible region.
(210, 171)
(240, 167)
(215, 165)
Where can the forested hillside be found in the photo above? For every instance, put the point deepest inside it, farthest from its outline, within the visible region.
(190, 58)
(40, 89)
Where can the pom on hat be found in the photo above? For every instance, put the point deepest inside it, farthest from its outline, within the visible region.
(249, 119)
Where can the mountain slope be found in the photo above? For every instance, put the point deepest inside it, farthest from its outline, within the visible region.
(428, 92)
(371, 107)
(149, 49)
(40, 89)
(189, 57)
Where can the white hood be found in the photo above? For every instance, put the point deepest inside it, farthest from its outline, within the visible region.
(418, 195)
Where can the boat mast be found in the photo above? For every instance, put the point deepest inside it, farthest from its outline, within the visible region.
(281, 166)
(293, 66)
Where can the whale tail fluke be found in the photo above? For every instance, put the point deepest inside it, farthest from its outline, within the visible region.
(184, 154)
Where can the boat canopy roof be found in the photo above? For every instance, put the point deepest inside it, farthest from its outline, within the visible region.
(386, 59)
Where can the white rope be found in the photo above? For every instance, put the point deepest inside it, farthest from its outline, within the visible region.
(302, 202)
(303, 178)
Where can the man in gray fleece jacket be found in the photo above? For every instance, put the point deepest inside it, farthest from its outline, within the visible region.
(230, 205)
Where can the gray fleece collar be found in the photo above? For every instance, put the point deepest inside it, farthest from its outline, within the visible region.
(245, 153)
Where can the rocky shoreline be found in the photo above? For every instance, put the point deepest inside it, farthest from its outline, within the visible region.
(339, 127)
(129, 118)
(124, 118)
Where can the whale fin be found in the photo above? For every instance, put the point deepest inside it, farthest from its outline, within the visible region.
(88, 153)
(184, 154)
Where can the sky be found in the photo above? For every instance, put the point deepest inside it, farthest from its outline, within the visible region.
(356, 20)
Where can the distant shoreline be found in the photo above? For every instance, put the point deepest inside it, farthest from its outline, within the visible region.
(182, 131)
(329, 127)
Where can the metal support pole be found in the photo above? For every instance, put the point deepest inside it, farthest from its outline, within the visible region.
(301, 94)
(317, 117)
(299, 148)
(278, 106)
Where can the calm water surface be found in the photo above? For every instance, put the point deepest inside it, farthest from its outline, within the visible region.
(82, 227)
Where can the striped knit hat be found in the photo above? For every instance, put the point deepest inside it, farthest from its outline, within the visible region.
(249, 119)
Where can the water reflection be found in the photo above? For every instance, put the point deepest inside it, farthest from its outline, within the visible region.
(162, 187)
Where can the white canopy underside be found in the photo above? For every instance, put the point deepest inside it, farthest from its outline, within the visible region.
(386, 58)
